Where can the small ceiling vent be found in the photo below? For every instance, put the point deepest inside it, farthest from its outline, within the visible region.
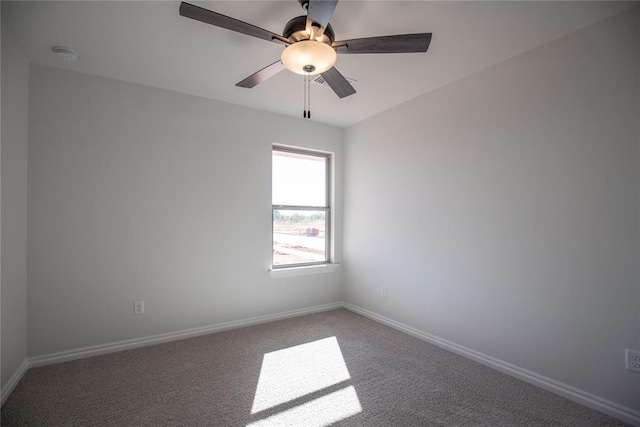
(319, 80)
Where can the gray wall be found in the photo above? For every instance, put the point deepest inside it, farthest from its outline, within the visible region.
(15, 80)
(502, 211)
(137, 193)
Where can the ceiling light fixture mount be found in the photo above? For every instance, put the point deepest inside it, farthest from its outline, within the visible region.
(64, 53)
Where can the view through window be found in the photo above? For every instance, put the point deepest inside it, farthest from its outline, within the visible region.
(300, 207)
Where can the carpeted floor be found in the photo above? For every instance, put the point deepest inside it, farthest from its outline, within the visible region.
(331, 368)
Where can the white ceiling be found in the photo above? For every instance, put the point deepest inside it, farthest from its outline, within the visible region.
(148, 42)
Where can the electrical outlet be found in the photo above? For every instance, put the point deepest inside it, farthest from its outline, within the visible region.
(633, 360)
(383, 292)
(138, 307)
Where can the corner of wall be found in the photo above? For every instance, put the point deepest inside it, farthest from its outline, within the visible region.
(13, 213)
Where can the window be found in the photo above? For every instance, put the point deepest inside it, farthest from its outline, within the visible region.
(301, 210)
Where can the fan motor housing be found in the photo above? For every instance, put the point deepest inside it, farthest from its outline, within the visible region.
(295, 30)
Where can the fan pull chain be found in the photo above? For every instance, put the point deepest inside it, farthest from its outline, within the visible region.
(307, 91)
(304, 88)
(308, 96)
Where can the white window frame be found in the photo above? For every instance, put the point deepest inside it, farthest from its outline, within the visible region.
(327, 209)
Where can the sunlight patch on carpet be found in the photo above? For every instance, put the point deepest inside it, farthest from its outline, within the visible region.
(294, 372)
(319, 412)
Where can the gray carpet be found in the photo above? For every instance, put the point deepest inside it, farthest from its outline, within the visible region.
(331, 368)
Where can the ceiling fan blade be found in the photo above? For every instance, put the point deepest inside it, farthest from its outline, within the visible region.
(401, 43)
(338, 83)
(258, 77)
(321, 11)
(209, 17)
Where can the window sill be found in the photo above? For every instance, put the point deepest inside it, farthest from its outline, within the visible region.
(303, 271)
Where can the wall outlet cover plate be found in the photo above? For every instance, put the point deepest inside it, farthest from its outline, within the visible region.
(632, 360)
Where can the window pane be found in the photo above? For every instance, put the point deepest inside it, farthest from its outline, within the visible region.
(299, 236)
(299, 180)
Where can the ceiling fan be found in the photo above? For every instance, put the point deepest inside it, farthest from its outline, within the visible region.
(310, 43)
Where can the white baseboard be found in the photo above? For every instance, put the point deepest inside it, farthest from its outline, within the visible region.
(113, 347)
(96, 350)
(595, 402)
(14, 380)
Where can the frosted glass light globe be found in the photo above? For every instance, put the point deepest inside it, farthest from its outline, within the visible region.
(298, 56)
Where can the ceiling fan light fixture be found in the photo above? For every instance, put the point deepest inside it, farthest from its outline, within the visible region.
(299, 56)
